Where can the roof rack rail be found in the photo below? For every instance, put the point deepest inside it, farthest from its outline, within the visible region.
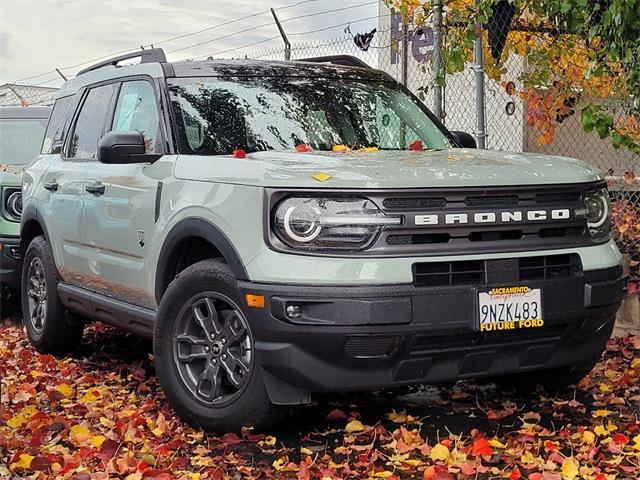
(152, 55)
(344, 60)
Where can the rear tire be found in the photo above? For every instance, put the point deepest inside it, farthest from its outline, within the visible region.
(43, 313)
(205, 353)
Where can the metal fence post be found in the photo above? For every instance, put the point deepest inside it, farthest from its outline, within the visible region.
(287, 45)
(481, 126)
(437, 58)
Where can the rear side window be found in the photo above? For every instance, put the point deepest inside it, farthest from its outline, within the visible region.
(54, 136)
(91, 123)
(137, 110)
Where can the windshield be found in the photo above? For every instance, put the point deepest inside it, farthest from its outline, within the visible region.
(218, 115)
(20, 139)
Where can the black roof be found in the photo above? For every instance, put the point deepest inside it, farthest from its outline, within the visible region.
(25, 112)
(274, 68)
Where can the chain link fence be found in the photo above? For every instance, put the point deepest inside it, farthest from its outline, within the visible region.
(408, 54)
(12, 94)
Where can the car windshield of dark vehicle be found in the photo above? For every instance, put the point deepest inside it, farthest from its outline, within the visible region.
(219, 115)
(20, 139)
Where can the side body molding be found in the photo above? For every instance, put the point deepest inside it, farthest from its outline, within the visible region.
(196, 227)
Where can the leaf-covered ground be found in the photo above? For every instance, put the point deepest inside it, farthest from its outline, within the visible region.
(100, 414)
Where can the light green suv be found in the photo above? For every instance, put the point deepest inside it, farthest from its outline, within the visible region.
(21, 133)
(286, 228)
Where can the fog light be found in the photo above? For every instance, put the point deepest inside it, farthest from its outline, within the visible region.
(294, 311)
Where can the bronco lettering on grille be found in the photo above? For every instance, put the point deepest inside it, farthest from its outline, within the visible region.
(513, 216)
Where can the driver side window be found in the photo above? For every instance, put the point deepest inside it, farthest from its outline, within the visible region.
(137, 110)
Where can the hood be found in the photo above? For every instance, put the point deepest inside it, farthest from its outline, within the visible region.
(11, 175)
(386, 169)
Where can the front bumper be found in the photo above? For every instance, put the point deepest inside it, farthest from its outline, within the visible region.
(10, 262)
(352, 338)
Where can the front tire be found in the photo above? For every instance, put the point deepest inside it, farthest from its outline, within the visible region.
(43, 313)
(205, 353)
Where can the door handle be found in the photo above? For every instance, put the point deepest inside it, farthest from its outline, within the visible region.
(97, 188)
(51, 186)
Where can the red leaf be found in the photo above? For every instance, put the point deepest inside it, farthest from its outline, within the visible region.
(303, 148)
(620, 439)
(336, 415)
(481, 447)
(515, 475)
(417, 146)
(239, 153)
(230, 439)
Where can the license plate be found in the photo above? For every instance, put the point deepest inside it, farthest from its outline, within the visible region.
(510, 308)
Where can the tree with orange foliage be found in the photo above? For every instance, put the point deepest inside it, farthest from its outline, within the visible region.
(576, 51)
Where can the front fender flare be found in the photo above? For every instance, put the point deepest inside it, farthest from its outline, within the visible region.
(196, 227)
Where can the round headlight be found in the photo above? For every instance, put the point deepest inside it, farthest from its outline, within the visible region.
(14, 204)
(597, 210)
(316, 223)
(597, 206)
(302, 224)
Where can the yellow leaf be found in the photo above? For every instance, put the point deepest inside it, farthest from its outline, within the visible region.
(611, 426)
(588, 437)
(35, 373)
(600, 431)
(354, 426)
(636, 442)
(400, 417)
(604, 388)
(64, 389)
(106, 422)
(368, 150)
(16, 422)
(570, 468)
(636, 363)
(133, 476)
(320, 176)
(98, 440)
(269, 440)
(439, 452)
(497, 444)
(91, 396)
(194, 475)
(23, 462)
(601, 413)
(79, 434)
(341, 148)
(157, 432)
(383, 474)
(306, 451)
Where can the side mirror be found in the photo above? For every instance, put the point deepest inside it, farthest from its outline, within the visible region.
(464, 139)
(124, 147)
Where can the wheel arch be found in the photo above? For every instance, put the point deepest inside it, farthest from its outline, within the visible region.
(31, 226)
(193, 230)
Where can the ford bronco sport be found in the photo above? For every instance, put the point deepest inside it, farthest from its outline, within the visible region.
(286, 228)
(21, 133)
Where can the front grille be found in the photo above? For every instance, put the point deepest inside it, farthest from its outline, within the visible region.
(489, 220)
(484, 272)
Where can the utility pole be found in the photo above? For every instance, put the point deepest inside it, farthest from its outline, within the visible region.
(437, 58)
(287, 45)
(405, 75)
(481, 125)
